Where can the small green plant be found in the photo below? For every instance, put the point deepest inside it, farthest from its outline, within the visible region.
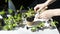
(54, 23)
(30, 12)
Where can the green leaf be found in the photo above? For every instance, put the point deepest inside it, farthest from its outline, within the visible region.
(14, 25)
(10, 11)
(5, 0)
(33, 29)
(5, 27)
(41, 24)
(2, 12)
(53, 23)
(21, 7)
(9, 0)
(10, 27)
(30, 12)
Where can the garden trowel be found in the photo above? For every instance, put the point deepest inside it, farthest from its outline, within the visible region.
(11, 5)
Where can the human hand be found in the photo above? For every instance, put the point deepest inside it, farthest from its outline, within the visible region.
(47, 14)
(40, 7)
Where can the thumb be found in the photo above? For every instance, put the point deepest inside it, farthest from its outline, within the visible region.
(42, 9)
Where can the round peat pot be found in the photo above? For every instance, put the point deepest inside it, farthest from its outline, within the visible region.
(29, 21)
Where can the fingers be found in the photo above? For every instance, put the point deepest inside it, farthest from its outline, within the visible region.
(36, 8)
(39, 8)
(42, 9)
(43, 15)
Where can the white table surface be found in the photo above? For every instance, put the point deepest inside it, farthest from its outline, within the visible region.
(25, 31)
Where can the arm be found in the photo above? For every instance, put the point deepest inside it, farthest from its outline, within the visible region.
(43, 6)
(56, 12)
(48, 2)
(47, 14)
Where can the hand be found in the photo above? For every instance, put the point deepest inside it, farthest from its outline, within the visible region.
(47, 14)
(41, 7)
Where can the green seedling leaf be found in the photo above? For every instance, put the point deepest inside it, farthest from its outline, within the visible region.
(33, 29)
(21, 7)
(2, 12)
(10, 11)
(5, 27)
(53, 23)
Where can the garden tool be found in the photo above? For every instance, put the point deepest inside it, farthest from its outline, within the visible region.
(11, 5)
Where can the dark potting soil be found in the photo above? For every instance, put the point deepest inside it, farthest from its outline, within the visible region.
(30, 19)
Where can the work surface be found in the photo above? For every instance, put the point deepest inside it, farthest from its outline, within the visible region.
(25, 31)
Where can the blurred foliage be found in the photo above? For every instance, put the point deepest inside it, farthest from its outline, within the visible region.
(21, 7)
(29, 13)
(2, 12)
(33, 29)
(10, 11)
(53, 23)
(41, 24)
(12, 21)
(6, 1)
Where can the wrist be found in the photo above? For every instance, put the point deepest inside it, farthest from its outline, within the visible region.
(48, 2)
